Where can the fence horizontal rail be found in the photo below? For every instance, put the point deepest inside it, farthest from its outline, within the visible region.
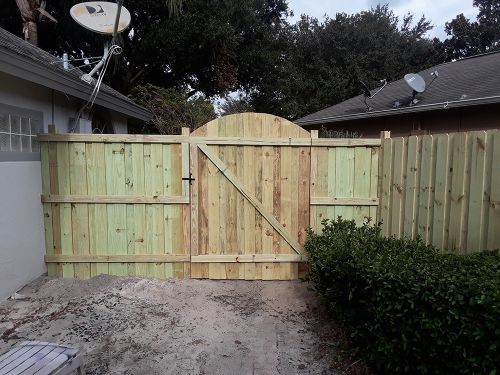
(333, 201)
(228, 141)
(130, 199)
(137, 258)
(248, 258)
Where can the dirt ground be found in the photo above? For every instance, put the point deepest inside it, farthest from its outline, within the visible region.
(129, 325)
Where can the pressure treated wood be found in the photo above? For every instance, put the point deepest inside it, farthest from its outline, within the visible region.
(445, 189)
(115, 207)
(344, 180)
(251, 170)
(118, 199)
(118, 204)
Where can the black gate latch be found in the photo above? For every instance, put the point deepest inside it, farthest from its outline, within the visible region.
(190, 178)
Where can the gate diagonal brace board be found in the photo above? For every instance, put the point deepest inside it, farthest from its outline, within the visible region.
(251, 198)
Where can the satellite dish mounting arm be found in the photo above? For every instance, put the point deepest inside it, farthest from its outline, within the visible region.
(88, 77)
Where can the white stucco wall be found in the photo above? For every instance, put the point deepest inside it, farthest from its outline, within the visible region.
(22, 243)
(20, 93)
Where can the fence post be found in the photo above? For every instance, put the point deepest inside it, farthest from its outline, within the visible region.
(314, 176)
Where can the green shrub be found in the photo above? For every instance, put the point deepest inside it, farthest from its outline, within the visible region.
(411, 309)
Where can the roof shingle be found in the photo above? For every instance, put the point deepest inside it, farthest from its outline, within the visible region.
(462, 82)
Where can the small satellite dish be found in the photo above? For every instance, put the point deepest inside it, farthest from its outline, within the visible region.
(416, 82)
(100, 16)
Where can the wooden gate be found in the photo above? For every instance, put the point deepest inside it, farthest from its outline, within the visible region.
(232, 200)
(250, 198)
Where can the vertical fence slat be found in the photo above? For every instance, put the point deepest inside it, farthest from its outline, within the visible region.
(374, 174)
(361, 181)
(425, 188)
(385, 194)
(397, 186)
(98, 213)
(457, 197)
(330, 164)
(441, 196)
(411, 193)
(117, 213)
(475, 222)
(65, 208)
(493, 241)
(80, 212)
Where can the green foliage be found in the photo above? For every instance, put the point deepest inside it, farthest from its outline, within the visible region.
(233, 105)
(323, 62)
(411, 309)
(467, 38)
(172, 110)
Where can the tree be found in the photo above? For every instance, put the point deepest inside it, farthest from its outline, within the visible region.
(211, 46)
(324, 62)
(171, 109)
(32, 12)
(467, 38)
(236, 104)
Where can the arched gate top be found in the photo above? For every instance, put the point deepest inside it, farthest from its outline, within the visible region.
(251, 124)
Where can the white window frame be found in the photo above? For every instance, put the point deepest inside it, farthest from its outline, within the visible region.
(34, 118)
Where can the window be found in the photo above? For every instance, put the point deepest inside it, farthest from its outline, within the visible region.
(18, 133)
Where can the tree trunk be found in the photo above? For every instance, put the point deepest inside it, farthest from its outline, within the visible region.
(30, 30)
(29, 14)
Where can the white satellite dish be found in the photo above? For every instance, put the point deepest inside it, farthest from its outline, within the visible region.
(100, 16)
(416, 82)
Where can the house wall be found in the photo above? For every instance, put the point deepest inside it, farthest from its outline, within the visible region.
(435, 122)
(22, 245)
(20, 93)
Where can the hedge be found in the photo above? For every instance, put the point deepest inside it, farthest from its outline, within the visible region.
(409, 308)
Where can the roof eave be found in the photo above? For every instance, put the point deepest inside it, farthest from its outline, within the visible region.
(25, 68)
(401, 111)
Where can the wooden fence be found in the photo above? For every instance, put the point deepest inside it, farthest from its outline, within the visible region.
(233, 199)
(230, 201)
(115, 205)
(444, 188)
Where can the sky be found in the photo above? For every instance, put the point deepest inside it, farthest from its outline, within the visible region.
(437, 11)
